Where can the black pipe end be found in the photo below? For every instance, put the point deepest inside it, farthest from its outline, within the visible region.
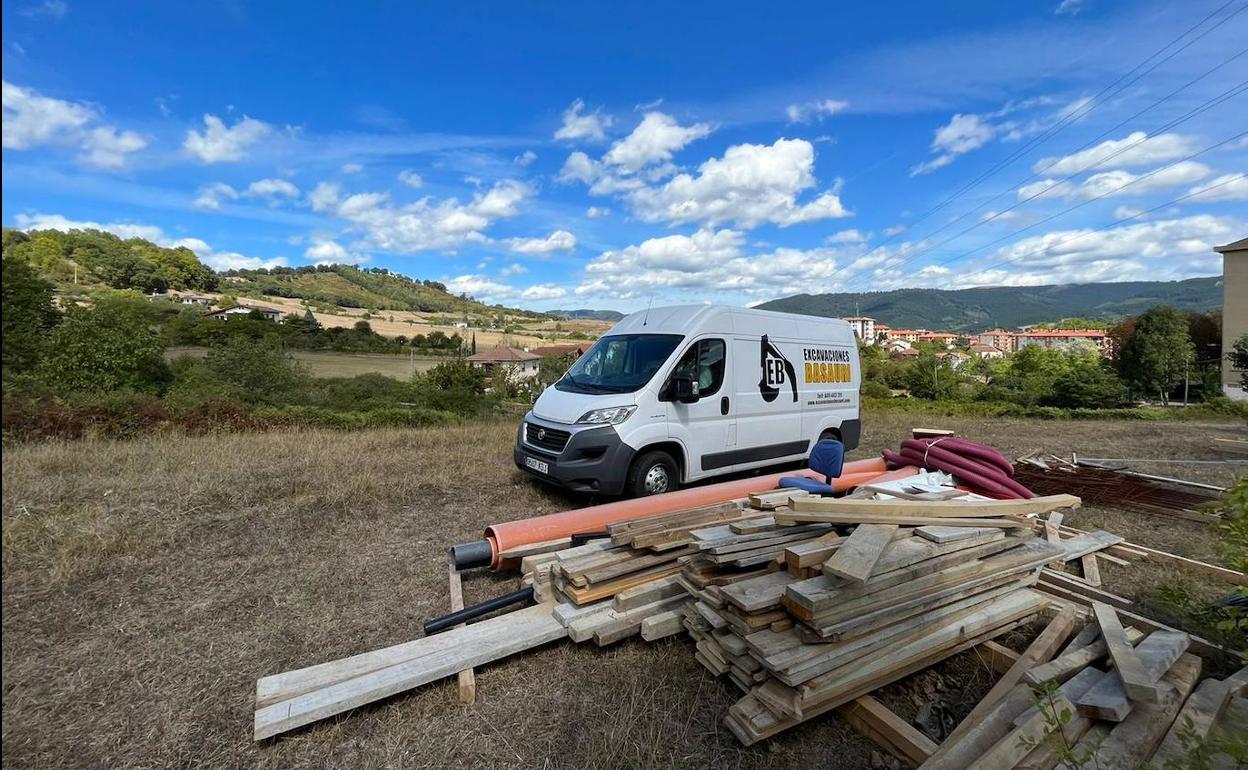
(478, 553)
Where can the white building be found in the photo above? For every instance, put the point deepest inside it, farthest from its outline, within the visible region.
(863, 327)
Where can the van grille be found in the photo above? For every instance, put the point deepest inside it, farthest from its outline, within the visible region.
(551, 439)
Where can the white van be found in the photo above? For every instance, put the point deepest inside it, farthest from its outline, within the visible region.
(675, 394)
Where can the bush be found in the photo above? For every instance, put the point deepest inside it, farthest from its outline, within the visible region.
(108, 347)
(28, 315)
(1086, 385)
(874, 389)
(454, 386)
(260, 371)
(363, 392)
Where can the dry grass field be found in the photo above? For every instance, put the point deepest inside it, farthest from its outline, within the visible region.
(147, 584)
(331, 364)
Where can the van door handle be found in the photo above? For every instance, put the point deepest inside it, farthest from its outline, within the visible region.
(723, 405)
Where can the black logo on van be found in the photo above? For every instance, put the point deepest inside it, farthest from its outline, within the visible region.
(776, 371)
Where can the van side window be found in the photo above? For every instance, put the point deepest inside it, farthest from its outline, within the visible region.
(703, 362)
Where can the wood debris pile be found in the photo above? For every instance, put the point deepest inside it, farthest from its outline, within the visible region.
(809, 604)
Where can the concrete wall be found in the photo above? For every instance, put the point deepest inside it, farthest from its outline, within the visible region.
(1234, 314)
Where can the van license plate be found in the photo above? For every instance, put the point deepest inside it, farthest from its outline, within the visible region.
(537, 465)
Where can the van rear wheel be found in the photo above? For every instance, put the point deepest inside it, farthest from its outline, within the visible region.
(653, 473)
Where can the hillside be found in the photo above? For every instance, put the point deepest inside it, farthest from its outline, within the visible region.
(1007, 306)
(350, 286)
(588, 315)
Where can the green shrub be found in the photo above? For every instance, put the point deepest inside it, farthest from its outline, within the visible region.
(873, 389)
(261, 372)
(108, 347)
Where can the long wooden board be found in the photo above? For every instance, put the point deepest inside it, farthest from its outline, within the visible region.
(936, 508)
(1110, 700)
(467, 678)
(904, 520)
(472, 645)
(1138, 682)
(857, 556)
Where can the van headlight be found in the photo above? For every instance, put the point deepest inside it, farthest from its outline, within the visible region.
(610, 416)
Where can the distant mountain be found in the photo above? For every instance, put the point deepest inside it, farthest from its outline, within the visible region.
(351, 286)
(591, 315)
(1007, 306)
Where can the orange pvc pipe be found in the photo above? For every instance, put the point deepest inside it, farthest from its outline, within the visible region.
(511, 534)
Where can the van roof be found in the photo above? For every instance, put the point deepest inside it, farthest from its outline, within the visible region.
(694, 319)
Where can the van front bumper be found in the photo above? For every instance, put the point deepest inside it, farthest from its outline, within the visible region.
(594, 460)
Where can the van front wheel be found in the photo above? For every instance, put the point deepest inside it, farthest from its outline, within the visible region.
(653, 473)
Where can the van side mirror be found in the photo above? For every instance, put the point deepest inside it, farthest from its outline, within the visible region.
(684, 389)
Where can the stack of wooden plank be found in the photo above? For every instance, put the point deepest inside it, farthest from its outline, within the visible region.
(1125, 694)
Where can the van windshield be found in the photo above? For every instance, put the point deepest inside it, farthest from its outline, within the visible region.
(620, 363)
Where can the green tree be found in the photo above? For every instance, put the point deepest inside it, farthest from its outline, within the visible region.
(931, 377)
(1086, 384)
(259, 369)
(1239, 359)
(28, 315)
(1157, 354)
(111, 346)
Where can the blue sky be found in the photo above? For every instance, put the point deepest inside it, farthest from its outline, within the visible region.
(560, 155)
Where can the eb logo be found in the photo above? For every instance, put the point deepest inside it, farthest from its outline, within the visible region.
(776, 372)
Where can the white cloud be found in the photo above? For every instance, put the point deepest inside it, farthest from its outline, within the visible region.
(220, 144)
(1127, 212)
(895, 230)
(1228, 187)
(1111, 184)
(271, 189)
(525, 158)
(513, 269)
(1114, 153)
(52, 9)
(1068, 8)
(577, 125)
(326, 251)
(816, 110)
(750, 185)
(1161, 250)
(559, 240)
(543, 291)
(425, 225)
(31, 120)
(597, 212)
(106, 147)
(211, 196)
(962, 134)
(999, 216)
(715, 262)
(579, 167)
(217, 260)
(846, 236)
(410, 178)
(480, 287)
(652, 141)
(351, 168)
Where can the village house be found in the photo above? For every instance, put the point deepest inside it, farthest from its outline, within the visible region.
(894, 345)
(1234, 311)
(998, 338)
(907, 335)
(576, 351)
(948, 339)
(956, 358)
(241, 310)
(517, 364)
(988, 352)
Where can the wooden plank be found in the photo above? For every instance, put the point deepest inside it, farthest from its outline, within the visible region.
(473, 645)
(1091, 570)
(1071, 689)
(1052, 527)
(1110, 700)
(836, 517)
(613, 587)
(877, 722)
(1136, 679)
(1070, 583)
(949, 534)
(961, 749)
(751, 526)
(1039, 651)
(999, 657)
(1140, 551)
(662, 624)
(467, 679)
(857, 556)
(648, 593)
(1199, 644)
(769, 501)
(1131, 742)
(936, 508)
(1087, 635)
(1193, 723)
(534, 549)
(1070, 663)
(1017, 743)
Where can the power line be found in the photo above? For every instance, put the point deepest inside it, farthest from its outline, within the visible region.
(1017, 259)
(1098, 162)
(1090, 105)
(1216, 101)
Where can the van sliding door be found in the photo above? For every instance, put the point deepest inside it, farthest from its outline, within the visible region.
(765, 384)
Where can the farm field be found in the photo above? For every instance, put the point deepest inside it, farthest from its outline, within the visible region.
(147, 584)
(394, 323)
(331, 364)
